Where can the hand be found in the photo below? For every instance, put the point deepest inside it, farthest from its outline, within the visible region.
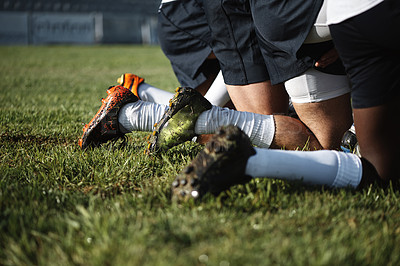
(328, 58)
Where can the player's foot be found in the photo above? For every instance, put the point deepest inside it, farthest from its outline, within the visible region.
(178, 122)
(219, 166)
(104, 125)
(131, 82)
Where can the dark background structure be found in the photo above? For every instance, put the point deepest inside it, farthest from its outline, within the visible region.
(78, 21)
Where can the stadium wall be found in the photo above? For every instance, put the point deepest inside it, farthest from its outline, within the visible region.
(26, 28)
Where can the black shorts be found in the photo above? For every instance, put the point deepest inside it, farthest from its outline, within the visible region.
(369, 45)
(185, 39)
(258, 40)
(282, 27)
(234, 42)
(315, 51)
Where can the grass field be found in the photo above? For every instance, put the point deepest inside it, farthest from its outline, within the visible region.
(111, 206)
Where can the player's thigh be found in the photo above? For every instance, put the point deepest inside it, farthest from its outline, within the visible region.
(261, 98)
(328, 119)
(322, 102)
(292, 134)
(371, 54)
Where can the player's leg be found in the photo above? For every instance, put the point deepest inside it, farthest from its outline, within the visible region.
(253, 71)
(185, 39)
(261, 98)
(217, 94)
(185, 44)
(328, 120)
(120, 115)
(371, 55)
(320, 97)
(214, 88)
(105, 126)
(190, 114)
(267, 131)
(378, 129)
(143, 90)
(291, 134)
(230, 159)
(375, 74)
(322, 102)
(236, 47)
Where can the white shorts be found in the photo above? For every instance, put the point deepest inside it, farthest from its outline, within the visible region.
(315, 86)
(320, 31)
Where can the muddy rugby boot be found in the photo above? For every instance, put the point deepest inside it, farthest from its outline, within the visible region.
(219, 166)
(131, 82)
(178, 122)
(104, 125)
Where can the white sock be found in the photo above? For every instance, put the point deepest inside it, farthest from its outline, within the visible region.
(259, 128)
(217, 94)
(140, 115)
(331, 168)
(152, 94)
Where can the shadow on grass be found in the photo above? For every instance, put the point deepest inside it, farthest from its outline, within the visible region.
(30, 139)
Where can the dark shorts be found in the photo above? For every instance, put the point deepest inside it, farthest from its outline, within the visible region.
(315, 51)
(281, 27)
(369, 45)
(185, 39)
(258, 40)
(234, 42)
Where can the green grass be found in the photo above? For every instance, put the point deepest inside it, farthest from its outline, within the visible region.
(111, 206)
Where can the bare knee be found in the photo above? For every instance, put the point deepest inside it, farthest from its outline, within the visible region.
(291, 134)
(328, 120)
(261, 98)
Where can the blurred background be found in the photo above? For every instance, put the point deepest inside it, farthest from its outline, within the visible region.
(35, 22)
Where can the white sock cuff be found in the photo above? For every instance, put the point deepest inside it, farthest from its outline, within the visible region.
(349, 170)
(265, 135)
(259, 128)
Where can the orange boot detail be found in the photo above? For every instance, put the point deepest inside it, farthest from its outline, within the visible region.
(131, 82)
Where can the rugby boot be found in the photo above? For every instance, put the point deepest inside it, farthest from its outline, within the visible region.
(179, 120)
(349, 143)
(104, 125)
(219, 166)
(131, 82)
